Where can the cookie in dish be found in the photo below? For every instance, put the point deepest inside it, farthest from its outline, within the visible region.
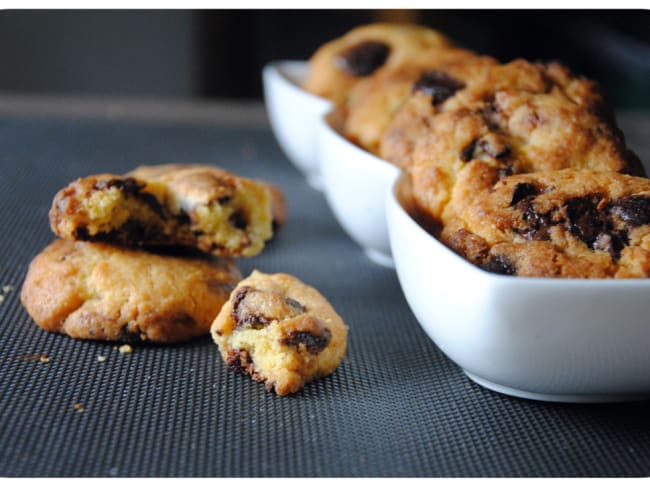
(374, 101)
(279, 331)
(341, 63)
(196, 206)
(566, 224)
(520, 118)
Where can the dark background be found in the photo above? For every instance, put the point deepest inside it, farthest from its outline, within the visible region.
(216, 54)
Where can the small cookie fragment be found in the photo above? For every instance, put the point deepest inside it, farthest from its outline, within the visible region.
(170, 205)
(93, 290)
(279, 331)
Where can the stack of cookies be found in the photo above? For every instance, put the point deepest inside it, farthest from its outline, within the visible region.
(519, 167)
(148, 256)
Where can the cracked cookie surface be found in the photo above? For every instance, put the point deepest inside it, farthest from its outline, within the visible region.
(170, 205)
(279, 331)
(98, 291)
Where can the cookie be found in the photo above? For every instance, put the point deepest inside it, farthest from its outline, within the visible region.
(568, 224)
(98, 291)
(279, 331)
(364, 51)
(170, 205)
(374, 101)
(517, 118)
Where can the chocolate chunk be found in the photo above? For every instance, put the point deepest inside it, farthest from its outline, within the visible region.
(240, 361)
(467, 154)
(439, 85)
(585, 220)
(238, 220)
(499, 265)
(236, 302)
(536, 223)
(363, 59)
(633, 210)
(295, 304)
(523, 190)
(314, 343)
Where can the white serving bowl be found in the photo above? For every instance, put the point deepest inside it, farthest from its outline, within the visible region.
(570, 340)
(294, 113)
(356, 184)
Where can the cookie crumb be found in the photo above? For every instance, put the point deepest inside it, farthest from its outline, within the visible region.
(79, 408)
(7, 288)
(101, 358)
(125, 349)
(43, 359)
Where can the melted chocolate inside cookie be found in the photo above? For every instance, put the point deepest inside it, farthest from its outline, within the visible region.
(523, 190)
(363, 59)
(314, 343)
(256, 309)
(439, 85)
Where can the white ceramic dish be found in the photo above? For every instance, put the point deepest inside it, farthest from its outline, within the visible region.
(552, 339)
(356, 183)
(294, 113)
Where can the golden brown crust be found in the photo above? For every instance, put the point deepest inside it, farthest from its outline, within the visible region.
(569, 223)
(98, 291)
(180, 205)
(279, 331)
(367, 50)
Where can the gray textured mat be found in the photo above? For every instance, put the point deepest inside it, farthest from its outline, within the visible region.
(395, 407)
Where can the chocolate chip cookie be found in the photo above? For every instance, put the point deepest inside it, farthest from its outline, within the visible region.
(339, 64)
(279, 331)
(373, 102)
(568, 223)
(177, 205)
(517, 118)
(98, 291)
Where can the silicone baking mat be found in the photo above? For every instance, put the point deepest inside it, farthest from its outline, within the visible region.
(395, 407)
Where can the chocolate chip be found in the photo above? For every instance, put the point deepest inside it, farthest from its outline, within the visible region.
(439, 85)
(224, 199)
(313, 343)
(363, 59)
(504, 170)
(633, 210)
(499, 265)
(523, 190)
(467, 154)
(536, 223)
(238, 220)
(295, 304)
(236, 302)
(490, 114)
(585, 220)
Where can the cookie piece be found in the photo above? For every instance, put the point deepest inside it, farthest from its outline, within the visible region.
(518, 118)
(170, 205)
(367, 50)
(98, 291)
(279, 331)
(374, 101)
(568, 223)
